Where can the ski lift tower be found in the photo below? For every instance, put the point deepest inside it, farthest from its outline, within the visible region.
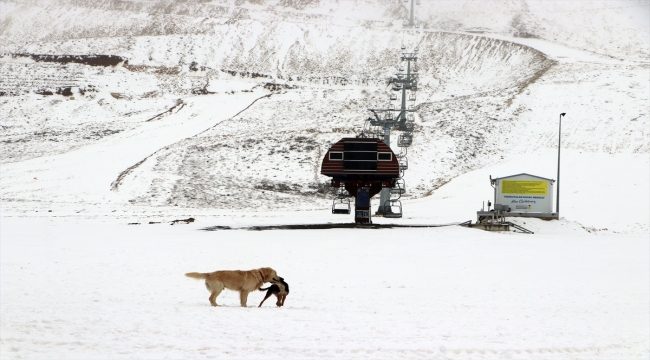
(408, 82)
(402, 82)
(410, 21)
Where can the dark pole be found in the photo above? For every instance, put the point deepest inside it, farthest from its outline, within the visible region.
(557, 201)
(411, 22)
(402, 114)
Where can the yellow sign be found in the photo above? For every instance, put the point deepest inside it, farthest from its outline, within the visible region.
(524, 187)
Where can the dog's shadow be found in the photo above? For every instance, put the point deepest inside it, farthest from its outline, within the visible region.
(234, 306)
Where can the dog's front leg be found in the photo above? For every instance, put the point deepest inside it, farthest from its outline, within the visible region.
(243, 297)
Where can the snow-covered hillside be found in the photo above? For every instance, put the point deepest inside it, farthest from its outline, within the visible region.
(146, 111)
(261, 89)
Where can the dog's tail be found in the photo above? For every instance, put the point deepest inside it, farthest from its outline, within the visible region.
(197, 275)
(264, 289)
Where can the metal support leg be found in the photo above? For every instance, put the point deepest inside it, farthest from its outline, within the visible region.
(384, 196)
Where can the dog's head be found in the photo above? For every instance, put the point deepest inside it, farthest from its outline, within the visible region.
(269, 275)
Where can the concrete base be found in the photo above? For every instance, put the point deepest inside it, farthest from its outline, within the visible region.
(494, 215)
(491, 227)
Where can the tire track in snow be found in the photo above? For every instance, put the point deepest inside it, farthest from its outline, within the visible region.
(234, 116)
(115, 184)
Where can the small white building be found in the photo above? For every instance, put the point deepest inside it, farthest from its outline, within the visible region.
(521, 195)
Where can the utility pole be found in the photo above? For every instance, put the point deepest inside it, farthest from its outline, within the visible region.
(559, 139)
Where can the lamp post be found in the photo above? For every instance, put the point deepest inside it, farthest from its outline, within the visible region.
(557, 200)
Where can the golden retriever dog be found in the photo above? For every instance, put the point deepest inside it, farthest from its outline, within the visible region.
(244, 281)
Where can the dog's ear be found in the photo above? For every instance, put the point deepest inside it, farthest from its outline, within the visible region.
(268, 273)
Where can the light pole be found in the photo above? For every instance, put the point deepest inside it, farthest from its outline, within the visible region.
(557, 200)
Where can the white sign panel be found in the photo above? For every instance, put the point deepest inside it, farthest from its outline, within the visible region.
(526, 194)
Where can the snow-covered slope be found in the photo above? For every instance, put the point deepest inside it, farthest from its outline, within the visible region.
(231, 105)
(616, 28)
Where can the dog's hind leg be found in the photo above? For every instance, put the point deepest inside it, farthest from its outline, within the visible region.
(215, 289)
(213, 298)
(268, 295)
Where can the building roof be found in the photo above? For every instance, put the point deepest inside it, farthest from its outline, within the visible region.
(535, 176)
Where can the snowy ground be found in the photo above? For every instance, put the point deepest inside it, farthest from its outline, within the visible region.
(79, 288)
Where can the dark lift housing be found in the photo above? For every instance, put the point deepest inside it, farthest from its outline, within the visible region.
(363, 166)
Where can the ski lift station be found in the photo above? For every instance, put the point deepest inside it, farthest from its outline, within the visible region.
(521, 195)
(363, 167)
